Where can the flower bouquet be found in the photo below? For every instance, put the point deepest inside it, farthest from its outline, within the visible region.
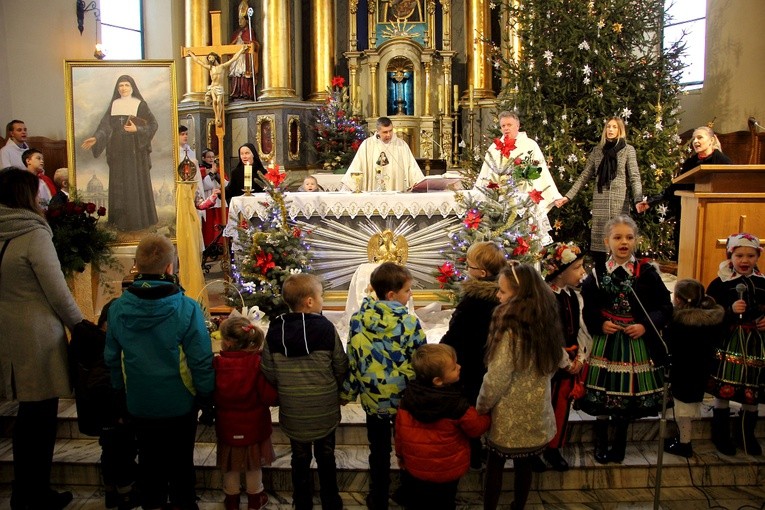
(77, 237)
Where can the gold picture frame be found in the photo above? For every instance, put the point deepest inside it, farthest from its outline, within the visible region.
(123, 148)
(266, 125)
(294, 137)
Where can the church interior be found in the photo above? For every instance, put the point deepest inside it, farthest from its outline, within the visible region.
(419, 63)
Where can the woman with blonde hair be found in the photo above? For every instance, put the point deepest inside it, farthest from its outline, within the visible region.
(613, 163)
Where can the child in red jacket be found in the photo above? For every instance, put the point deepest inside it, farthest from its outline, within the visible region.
(433, 427)
(243, 418)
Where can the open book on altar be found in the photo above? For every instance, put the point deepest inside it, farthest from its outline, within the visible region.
(450, 181)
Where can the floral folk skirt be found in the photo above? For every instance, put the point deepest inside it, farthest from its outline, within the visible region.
(621, 379)
(739, 369)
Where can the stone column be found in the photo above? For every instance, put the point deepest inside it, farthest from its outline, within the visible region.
(196, 33)
(322, 47)
(277, 50)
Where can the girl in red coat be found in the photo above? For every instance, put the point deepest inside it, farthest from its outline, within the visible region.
(243, 424)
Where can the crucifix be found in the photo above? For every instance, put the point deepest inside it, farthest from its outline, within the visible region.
(216, 91)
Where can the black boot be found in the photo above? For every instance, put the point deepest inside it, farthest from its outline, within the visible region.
(721, 431)
(616, 453)
(601, 441)
(749, 441)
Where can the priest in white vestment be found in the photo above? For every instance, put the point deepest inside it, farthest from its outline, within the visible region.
(509, 124)
(384, 162)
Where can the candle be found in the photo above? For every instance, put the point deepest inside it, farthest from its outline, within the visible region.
(470, 99)
(248, 176)
(440, 98)
(456, 98)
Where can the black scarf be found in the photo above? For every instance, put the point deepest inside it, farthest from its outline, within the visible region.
(607, 168)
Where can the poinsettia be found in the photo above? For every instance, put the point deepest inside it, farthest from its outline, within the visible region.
(523, 246)
(265, 261)
(535, 196)
(473, 219)
(446, 273)
(505, 146)
(274, 176)
(338, 81)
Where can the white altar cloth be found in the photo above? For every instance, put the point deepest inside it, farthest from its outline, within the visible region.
(339, 204)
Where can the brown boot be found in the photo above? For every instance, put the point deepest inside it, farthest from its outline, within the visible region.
(231, 502)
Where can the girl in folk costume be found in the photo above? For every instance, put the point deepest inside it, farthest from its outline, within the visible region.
(469, 325)
(625, 306)
(739, 368)
(243, 424)
(696, 325)
(521, 356)
(562, 267)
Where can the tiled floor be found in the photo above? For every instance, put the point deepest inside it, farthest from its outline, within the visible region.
(625, 499)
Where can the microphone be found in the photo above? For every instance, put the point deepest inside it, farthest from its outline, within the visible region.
(741, 289)
(752, 120)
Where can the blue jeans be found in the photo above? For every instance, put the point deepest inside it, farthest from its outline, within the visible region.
(302, 481)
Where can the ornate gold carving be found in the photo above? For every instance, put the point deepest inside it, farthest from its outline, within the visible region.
(266, 126)
(382, 247)
(294, 134)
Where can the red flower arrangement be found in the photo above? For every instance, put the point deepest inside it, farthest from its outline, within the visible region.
(78, 239)
(505, 147)
(446, 273)
(473, 219)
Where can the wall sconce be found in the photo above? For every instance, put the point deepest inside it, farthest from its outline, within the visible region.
(81, 10)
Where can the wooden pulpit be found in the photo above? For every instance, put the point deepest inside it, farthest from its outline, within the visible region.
(727, 199)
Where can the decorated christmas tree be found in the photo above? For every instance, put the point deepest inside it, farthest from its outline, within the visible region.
(505, 214)
(582, 62)
(267, 252)
(338, 132)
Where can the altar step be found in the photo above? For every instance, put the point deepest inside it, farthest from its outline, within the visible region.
(76, 459)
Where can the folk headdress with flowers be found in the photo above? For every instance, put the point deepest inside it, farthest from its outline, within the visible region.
(557, 257)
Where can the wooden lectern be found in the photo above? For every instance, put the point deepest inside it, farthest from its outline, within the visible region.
(727, 199)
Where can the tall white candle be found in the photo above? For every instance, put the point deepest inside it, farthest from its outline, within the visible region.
(247, 176)
(456, 97)
(470, 99)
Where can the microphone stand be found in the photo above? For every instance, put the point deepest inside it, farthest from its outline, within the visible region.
(664, 399)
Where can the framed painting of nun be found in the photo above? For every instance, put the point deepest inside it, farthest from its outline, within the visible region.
(122, 139)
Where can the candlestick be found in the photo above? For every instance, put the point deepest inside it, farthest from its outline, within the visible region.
(456, 98)
(247, 177)
(470, 98)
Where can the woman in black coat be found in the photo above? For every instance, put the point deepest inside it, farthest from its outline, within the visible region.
(248, 155)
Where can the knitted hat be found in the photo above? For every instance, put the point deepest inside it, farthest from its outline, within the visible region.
(557, 257)
(742, 239)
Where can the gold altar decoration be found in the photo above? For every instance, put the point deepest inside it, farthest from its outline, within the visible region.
(277, 42)
(384, 247)
(294, 137)
(266, 124)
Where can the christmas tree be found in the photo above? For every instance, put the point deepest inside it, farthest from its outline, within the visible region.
(580, 63)
(269, 251)
(338, 132)
(505, 214)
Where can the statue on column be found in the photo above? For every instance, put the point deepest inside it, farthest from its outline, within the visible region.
(243, 74)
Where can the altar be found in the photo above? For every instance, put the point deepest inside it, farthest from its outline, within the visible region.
(351, 229)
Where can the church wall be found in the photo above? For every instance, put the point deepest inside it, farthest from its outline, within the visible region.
(36, 36)
(734, 84)
(32, 75)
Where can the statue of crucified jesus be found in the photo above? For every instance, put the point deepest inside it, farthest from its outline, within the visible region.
(218, 74)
